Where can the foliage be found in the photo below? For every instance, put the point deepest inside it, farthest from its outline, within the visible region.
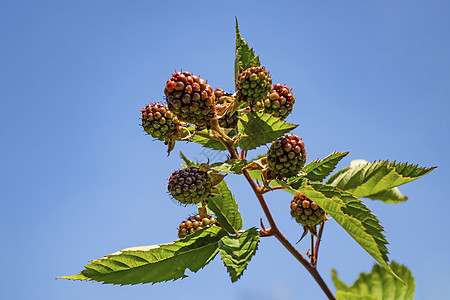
(338, 197)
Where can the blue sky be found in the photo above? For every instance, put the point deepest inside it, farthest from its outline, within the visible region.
(79, 179)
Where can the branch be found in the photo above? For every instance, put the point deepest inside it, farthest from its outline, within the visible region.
(274, 229)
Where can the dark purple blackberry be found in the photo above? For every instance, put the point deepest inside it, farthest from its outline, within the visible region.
(189, 185)
(286, 156)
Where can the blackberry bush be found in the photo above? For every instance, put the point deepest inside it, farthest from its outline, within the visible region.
(244, 121)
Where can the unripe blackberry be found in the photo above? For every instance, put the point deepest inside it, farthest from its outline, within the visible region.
(279, 102)
(189, 185)
(286, 156)
(253, 84)
(306, 212)
(195, 223)
(223, 101)
(159, 121)
(190, 98)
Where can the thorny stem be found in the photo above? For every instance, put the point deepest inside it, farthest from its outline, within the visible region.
(274, 229)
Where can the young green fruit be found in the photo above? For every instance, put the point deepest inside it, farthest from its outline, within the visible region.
(286, 156)
(253, 84)
(190, 98)
(159, 121)
(189, 185)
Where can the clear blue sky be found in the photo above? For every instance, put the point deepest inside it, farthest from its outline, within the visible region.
(79, 179)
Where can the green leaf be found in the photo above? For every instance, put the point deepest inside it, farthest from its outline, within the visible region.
(389, 196)
(351, 214)
(258, 129)
(350, 296)
(245, 56)
(187, 162)
(237, 252)
(152, 264)
(366, 179)
(318, 170)
(232, 166)
(380, 284)
(205, 138)
(225, 208)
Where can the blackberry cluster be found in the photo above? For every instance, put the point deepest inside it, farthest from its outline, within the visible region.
(223, 101)
(253, 84)
(190, 98)
(189, 185)
(279, 102)
(306, 212)
(159, 121)
(286, 156)
(195, 223)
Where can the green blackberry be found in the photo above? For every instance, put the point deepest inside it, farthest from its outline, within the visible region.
(306, 212)
(223, 101)
(195, 223)
(190, 185)
(159, 121)
(279, 102)
(253, 84)
(190, 98)
(286, 156)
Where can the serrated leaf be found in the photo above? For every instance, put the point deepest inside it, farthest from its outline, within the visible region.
(152, 264)
(245, 56)
(232, 166)
(366, 179)
(350, 296)
(204, 138)
(353, 216)
(236, 252)
(187, 162)
(225, 208)
(259, 128)
(380, 284)
(318, 170)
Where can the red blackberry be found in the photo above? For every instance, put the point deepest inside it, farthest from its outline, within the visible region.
(306, 212)
(279, 102)
(190, 98)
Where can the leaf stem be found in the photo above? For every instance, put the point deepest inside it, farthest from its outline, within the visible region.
(274, 228)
